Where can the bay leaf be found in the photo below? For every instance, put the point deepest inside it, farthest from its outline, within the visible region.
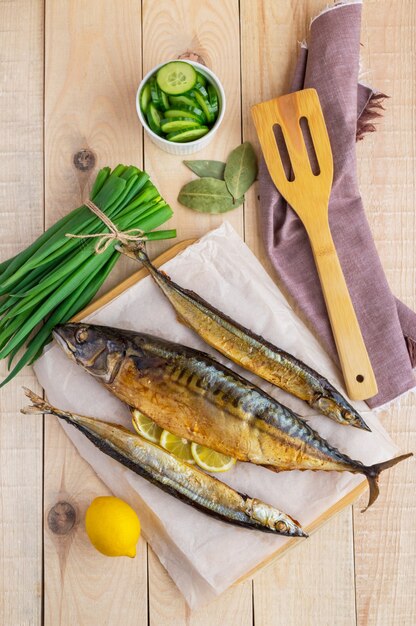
(241, 169)
(208, 195)
(205, 168)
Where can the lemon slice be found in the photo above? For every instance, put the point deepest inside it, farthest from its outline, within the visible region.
(179, 446)
(145, 426)
(210, 460)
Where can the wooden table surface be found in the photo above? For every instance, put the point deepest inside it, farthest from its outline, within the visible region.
(69, 70)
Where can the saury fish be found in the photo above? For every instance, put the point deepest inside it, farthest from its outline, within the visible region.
(189, 484)
(190, 394)
(252, 351)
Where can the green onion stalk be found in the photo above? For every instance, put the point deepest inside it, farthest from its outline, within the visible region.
(57, 276)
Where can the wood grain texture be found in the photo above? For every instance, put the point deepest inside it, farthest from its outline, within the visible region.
(385, 542)
(92, 68)
(269, 35)
(314, 585)
(93, 60)
(21, 215)
(167, 608)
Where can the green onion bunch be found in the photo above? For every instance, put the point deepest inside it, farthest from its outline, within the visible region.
(57, 276)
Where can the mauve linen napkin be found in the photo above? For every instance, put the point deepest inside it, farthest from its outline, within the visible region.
(330, 64)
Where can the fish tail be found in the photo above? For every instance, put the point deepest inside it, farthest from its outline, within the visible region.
(137, 252)
(373, 472)
(39, 404)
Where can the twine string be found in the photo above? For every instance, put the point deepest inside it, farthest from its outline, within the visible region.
(105, 239)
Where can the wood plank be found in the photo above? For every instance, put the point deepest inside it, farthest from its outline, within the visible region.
(93, 60)
(314, 585)
(21, 209)
(270, 33)
(167, 608)
(211, 30)
(385, 539)
(293, 590)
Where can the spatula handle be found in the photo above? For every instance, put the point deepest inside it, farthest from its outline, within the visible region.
(355, 363)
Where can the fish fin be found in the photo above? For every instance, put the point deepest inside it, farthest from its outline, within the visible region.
(273, 468)
(373, 473)
(147, 362)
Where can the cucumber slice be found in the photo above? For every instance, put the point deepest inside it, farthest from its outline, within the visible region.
(159, 98)
(201, 79)
(185, 100)
(164, 100)
(188, 135)
(153, 118)
(145, 97)
(176, 77)
(186, 111)
(155, 93)
(201, 96)
(201, 89)
(213, 98)
(179, 123)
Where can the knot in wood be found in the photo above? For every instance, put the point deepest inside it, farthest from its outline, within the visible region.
(192, 56)
(84, 160)
(61, 518)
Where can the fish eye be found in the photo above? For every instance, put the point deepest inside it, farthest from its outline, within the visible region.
(81, 335)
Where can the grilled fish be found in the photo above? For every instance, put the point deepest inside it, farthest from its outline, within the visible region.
(189, 484)
(252, 351)
(188, 393)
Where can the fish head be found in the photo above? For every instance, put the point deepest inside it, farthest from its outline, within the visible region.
(341, 411)
(98, 349)
(272, 518)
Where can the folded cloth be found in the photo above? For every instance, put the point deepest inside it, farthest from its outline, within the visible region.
(330, 64)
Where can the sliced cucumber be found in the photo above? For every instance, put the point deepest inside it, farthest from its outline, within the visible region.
(213, 98)
(201, 89)
(201, 96)
(185, 111)
(153, 118)
(145, 97)
(169, 125)
(201, 79)
(182, 136)
(155, 93)
(164, 101)
(159, 98)
(176, 77)
(185, 100)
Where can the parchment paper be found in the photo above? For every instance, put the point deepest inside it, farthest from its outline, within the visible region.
(205, 556)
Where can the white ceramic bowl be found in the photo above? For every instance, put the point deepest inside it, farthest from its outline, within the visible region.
(190, 147)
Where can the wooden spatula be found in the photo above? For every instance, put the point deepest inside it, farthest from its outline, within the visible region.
(308, 194)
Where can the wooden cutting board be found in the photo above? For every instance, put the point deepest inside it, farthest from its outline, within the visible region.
(135, 278)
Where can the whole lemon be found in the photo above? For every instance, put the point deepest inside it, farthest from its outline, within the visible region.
(112, 526)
